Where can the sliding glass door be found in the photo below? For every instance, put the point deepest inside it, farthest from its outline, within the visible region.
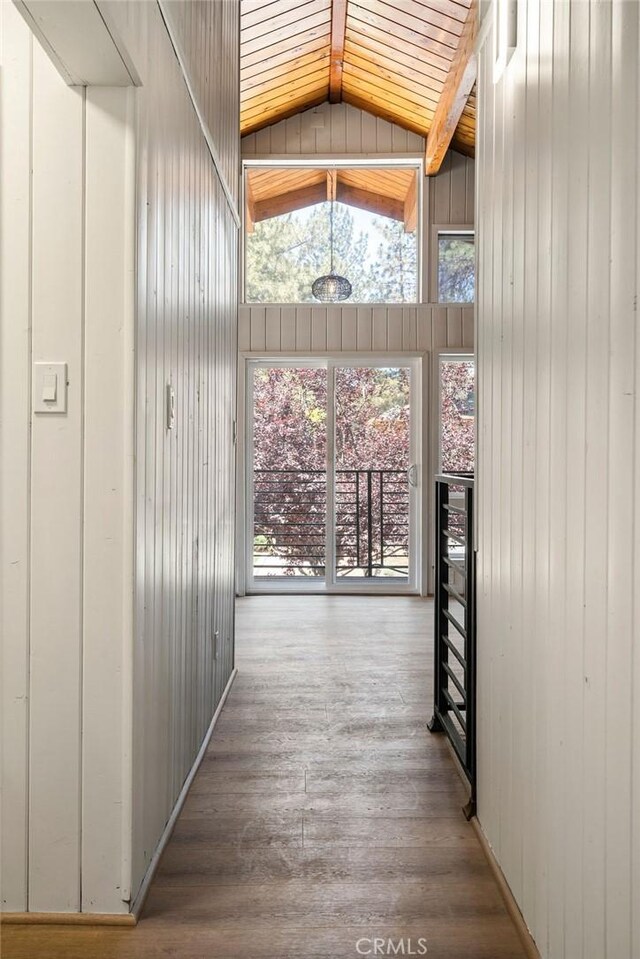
(332, 491)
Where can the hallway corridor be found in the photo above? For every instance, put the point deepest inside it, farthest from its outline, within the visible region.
(324, 814)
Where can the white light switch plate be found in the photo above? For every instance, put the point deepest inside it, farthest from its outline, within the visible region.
(49, 387)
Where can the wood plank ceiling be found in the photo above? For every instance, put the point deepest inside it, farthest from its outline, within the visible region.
(407, 61)
(274, 191)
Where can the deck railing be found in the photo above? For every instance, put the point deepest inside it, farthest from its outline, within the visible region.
(455, 627)
(371, 521)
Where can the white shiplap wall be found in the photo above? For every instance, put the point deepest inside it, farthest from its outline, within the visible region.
(208, 34)
(187, 336)
(558, 533)
(318, 329)
(119, 256)
(66, 254)
(332, 129)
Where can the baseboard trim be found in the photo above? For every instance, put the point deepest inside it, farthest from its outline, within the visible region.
(67, 919)
(138, 902)
(127, 918)
(513, 909)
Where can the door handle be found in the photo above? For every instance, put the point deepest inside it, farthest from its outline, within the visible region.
(412, 475)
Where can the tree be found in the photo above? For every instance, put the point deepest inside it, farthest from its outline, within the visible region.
(457, 379)
(456, 269)
(290, 436)
(285, 254)
(393, 277)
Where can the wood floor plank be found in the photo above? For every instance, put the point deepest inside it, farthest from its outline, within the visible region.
(477, 938)
(323, 811)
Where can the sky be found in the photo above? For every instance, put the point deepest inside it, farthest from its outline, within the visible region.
(363, 221)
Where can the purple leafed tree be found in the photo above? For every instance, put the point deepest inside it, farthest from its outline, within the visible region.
(457, 383)
(290, 436)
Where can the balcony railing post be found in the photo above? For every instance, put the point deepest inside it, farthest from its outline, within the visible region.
(381, 475)
(455, 637)
(358, 517)
(369, 527)
(470, 649)
(440, 622)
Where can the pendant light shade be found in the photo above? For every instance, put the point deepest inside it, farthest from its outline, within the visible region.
(331, 287)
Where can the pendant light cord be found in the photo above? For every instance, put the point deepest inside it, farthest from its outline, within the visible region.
(333, 184)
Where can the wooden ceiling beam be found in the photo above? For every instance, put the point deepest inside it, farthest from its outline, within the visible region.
(288, 202)
(338, 33)
(411, 206)
(455, 94)
(367, 200)
(250, 206)
(331, 185)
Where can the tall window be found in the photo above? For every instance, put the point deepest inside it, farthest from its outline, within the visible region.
(457, 413)
(456, 268)
(288, 214)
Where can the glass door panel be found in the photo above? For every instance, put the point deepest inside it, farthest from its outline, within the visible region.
(289, 478)
(372, 473)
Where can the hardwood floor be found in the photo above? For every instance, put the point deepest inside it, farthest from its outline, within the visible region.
(324, 813)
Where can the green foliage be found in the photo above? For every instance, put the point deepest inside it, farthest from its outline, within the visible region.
(456, 269)
(285, 255)
(393, 278)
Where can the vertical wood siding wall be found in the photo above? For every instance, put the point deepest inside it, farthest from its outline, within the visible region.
(101, 728)
(187, 336)
(558, 533)
(334, 130)
(321, 329)
(67, 216)
(209, 36)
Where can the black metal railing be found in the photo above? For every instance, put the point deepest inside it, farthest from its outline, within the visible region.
(455, 626)
(371, 522)
(289, 525)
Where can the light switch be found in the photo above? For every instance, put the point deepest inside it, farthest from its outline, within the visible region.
(49, 387)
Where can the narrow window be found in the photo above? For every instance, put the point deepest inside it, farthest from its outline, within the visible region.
(456, 268)
(457, 412)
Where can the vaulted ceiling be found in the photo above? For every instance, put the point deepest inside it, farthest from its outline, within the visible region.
(408, 61)
(389, 192)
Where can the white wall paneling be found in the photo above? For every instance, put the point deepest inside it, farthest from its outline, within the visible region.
(108, 471)
(202, 30)
(558, 445)
(15, 468)
(332, 129)
(318, 329)
(55, 609)
(67, 281)
(119, 257)
(187, 249)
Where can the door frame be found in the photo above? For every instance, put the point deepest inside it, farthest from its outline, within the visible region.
(419, 454)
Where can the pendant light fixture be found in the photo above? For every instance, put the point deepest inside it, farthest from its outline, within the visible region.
(331, 287)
